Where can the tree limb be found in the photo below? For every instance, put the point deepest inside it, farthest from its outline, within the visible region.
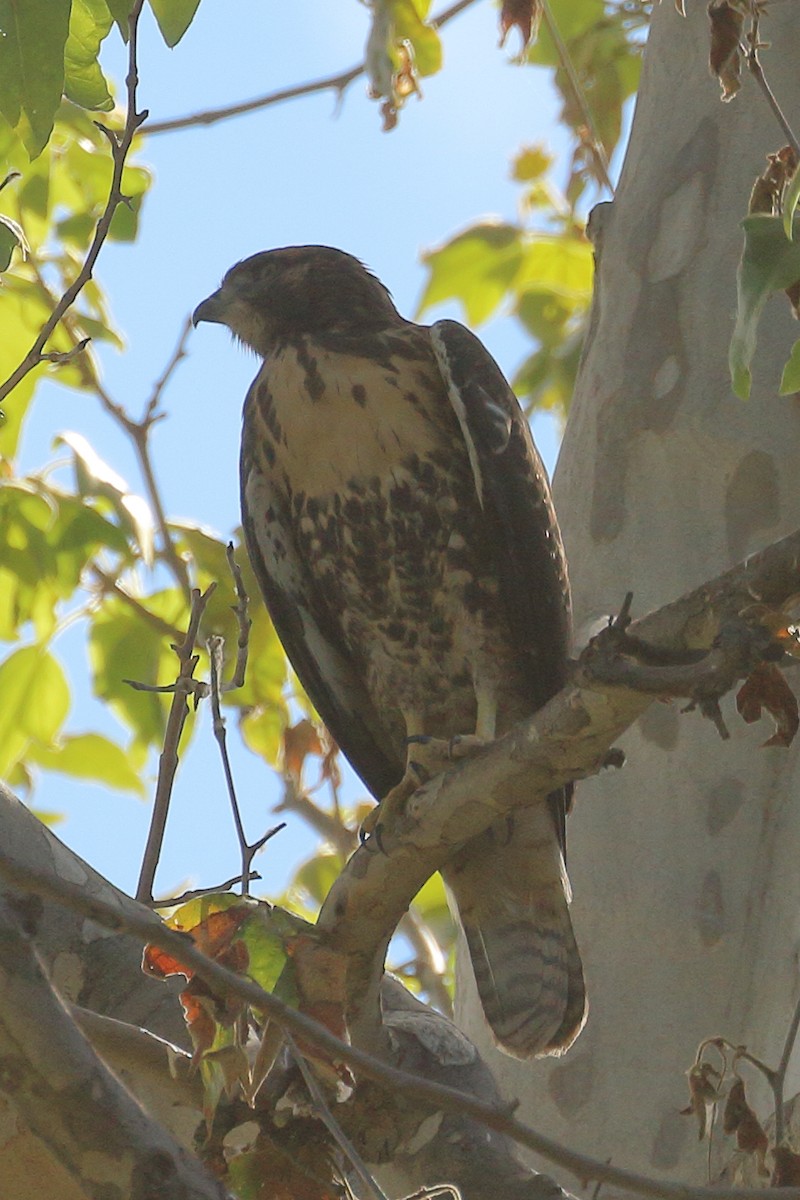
(567, 740)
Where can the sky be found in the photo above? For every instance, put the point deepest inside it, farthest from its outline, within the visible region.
(307, 171)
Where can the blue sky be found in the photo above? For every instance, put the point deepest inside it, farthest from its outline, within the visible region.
(304, 171)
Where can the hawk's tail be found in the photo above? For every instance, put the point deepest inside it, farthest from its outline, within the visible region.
(513, 896)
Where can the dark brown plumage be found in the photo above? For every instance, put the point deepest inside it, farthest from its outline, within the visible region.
(399, 522)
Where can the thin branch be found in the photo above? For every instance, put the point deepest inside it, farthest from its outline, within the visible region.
(120, 144)
(168, 761)
(248, 852)
(149, 928)
(331, 1124)
(137, 431)
(757, 71)
(778, 1080)
(242, 620)
(215, 889)
(597, 148)
(337, 83)
(111, 586)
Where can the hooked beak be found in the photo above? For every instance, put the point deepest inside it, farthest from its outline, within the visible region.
(212, 309)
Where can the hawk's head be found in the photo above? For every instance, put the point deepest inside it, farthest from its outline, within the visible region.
(298, 289)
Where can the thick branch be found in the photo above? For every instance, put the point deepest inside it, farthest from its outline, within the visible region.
(567, 740)
(92, 1126)
(494, 1116)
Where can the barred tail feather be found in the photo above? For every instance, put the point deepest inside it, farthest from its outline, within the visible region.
(512, 895)
(530, 979)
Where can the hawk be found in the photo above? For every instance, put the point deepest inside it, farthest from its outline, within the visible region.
(399, 522)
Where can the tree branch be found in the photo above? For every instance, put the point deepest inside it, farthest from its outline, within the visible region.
(51, 1073)
(567, 740)
(120, 144)
(337, 83)
(495, 1116)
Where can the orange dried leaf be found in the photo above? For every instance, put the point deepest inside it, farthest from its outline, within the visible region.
(299, 741)
(767, 689)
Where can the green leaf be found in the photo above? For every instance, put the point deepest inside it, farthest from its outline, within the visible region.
(35, 702)
(123, 645)
(790, 380)
(317, 876)
(34, 35)
(11, 237)
(769, 263)
(84, 82)
(790, 202)
(425, 41)
(478, 267)
(174, 17)
(91, 756)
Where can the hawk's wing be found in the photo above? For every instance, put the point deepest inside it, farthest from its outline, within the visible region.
(511, 484)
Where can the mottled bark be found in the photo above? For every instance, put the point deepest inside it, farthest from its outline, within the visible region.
(684, 865)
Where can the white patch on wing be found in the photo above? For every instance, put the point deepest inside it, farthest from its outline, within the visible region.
(443, 359)
(282, 564)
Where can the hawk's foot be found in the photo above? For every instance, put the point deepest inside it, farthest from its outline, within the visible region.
(393, 804)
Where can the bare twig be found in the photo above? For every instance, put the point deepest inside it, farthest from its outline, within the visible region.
(778, 1080)
(243, 621)
(120, 144)
(757, 71)
(216, 646)
(337, 83)
(198, 893)
(184, 685)
(149, 928)
(110, 586)
(331, 1124)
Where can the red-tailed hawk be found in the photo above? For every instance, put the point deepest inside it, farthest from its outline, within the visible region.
(399, 522)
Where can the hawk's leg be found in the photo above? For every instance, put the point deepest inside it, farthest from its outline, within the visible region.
(427, 757)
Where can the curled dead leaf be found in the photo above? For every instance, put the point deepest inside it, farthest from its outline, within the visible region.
(724, 59)
(523, 15)
(766, 689)
(704, 1083)
(740, 1119)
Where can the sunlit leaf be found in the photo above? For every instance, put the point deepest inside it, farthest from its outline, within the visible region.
(94, 757)
(124, 645)
(84, 82)
(174, 17)
(35, 702)
(477, 267)
(32, 66)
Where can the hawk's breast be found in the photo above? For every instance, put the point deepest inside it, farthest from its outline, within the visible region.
(379, 495)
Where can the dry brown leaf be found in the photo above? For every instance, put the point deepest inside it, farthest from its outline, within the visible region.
(724, 59)
(766, 689)
(703, 1093)
(740, 1119)
(523, 15)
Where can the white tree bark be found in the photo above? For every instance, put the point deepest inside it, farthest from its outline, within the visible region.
(684, 864)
